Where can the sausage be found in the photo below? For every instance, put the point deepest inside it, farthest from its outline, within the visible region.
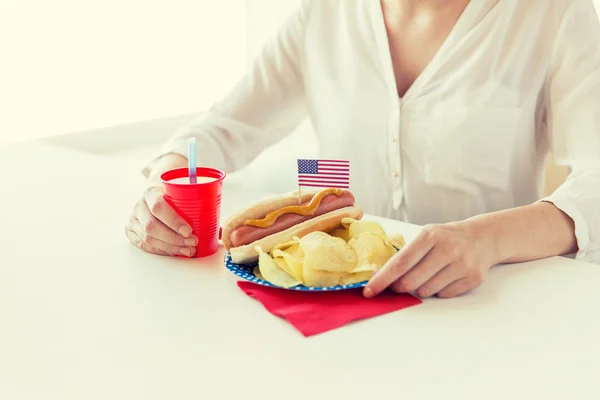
(246, 234)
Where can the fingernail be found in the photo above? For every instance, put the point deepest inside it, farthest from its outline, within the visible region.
(190, 242)
(185, 230)
(185, 251)
(368, 292)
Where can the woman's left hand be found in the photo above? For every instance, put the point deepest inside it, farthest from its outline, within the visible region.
(445, 260)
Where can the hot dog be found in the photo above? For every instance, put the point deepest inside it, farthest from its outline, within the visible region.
(279, 218)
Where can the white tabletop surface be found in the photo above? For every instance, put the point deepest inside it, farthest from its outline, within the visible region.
(86, 315)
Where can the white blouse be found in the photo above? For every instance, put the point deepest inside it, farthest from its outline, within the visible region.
(514, 80)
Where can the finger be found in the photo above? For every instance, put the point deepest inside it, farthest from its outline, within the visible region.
(159, 207)
(398, 265)
(133, 236)
(446, 276)
(457, 288)
(425, 269)
(135, 226)
(168, 248)
(152, 226)
(137, 240)
(152, 245)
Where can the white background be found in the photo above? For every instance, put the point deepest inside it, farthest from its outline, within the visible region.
(76, 65)
(72, 65)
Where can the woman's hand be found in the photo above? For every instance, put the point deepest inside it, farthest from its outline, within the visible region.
(156, 228)
(444, 260)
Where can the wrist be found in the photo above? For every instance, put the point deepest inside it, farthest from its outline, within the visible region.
(163, 164)
(487, 233)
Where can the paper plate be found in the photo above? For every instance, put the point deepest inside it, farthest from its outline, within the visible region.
(244, 271)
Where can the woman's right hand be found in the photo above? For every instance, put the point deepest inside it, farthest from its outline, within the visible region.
(156, 228)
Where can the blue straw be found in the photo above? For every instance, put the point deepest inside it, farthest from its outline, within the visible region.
(192, 159)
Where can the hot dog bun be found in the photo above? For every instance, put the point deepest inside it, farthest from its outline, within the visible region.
(327, 221)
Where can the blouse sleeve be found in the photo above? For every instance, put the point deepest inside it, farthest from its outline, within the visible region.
(573, 93)
(260, 109)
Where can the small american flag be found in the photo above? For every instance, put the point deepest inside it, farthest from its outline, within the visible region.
(324, 173)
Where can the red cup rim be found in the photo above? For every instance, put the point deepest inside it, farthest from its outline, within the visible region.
(166, 176)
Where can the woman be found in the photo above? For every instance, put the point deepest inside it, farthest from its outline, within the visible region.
(446, 110)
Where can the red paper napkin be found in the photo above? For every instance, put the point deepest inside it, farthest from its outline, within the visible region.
(317, 312)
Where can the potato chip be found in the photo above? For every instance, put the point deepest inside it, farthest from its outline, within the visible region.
(397, 240)
(347, 221)
(272, 272)
(295, 251)
(293, 258)
(256, 272)
(341, 233)
(371, 249)
(359, 227)
(349, 279)
(347, 255)
(285, 245)
(318, 278)
(327, 253)
(366, 268)
(282, 264)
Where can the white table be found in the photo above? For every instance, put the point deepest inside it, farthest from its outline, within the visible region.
(86, 315)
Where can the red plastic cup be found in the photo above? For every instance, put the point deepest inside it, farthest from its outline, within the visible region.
(199, 204)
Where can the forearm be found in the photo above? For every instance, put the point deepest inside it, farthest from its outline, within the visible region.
(527, 233)
(166, 163)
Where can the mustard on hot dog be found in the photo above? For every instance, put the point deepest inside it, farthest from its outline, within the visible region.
(305, 210)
